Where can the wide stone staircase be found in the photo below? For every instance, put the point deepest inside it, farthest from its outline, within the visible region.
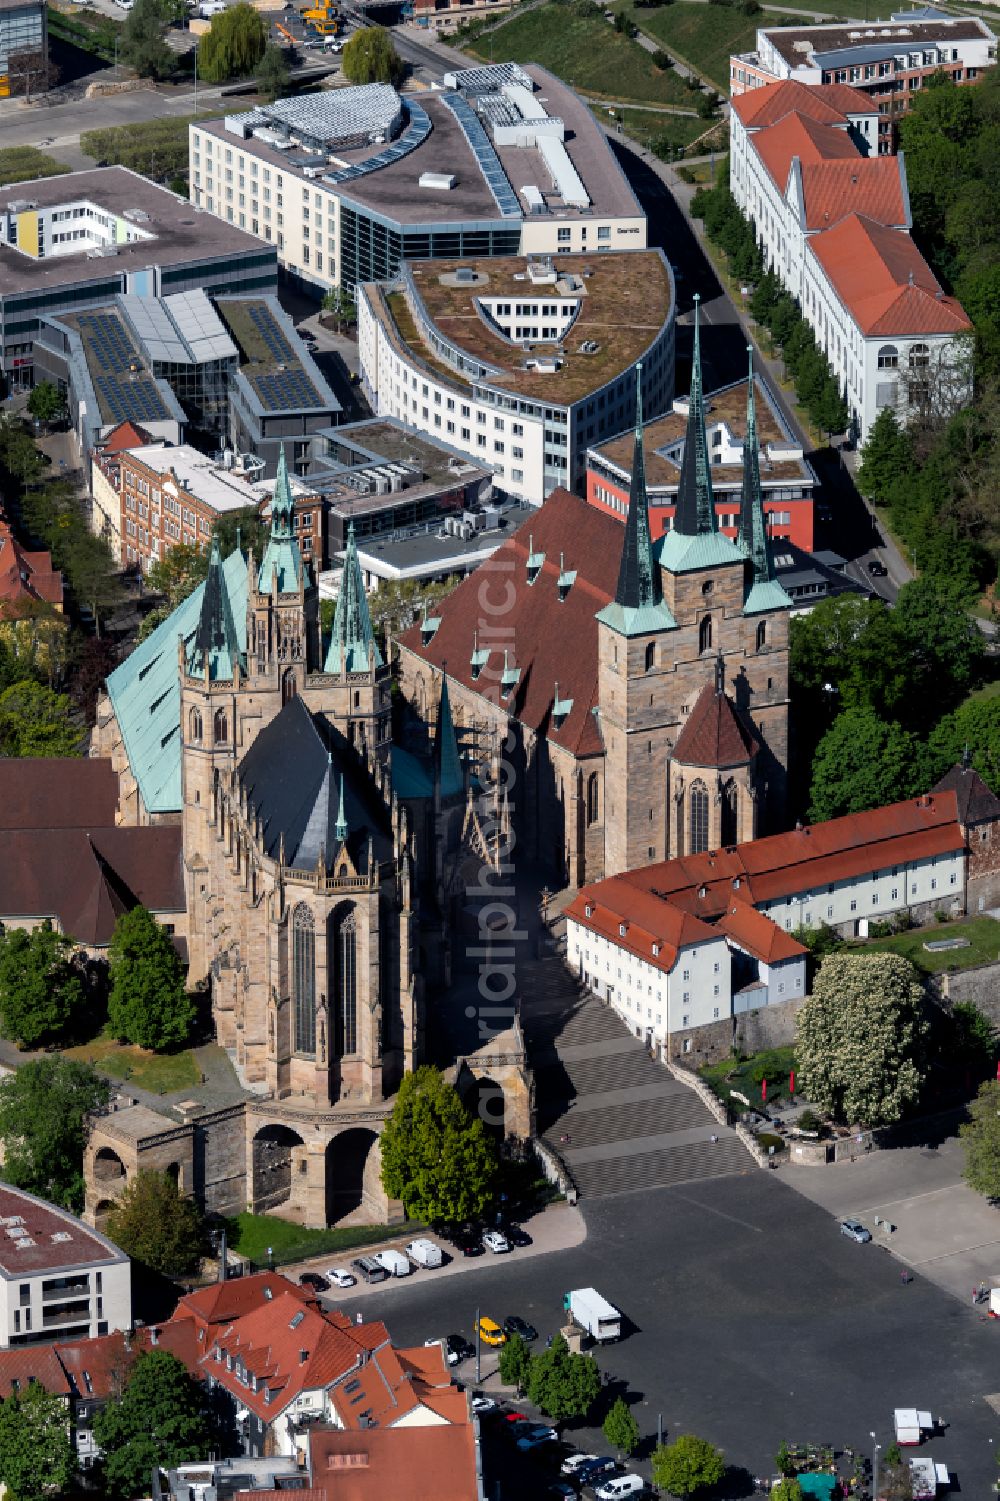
(629, 1123)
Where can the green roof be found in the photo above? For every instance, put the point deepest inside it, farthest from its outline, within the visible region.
(281, 554)
(447, 759)
(679, 553)
(642, 620)
(352, 634)
(768, 594)
(411, 777)
(145, 692)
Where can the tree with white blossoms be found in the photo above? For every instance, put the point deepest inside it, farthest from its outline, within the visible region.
(859, 1038)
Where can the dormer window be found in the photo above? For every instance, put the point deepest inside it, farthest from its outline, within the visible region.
(656, 950)
(589, 911)
(429, 627)
(535, 561)
(509, 678)
(561, 710)
(622, 929)
(480, 657)
(567, 578)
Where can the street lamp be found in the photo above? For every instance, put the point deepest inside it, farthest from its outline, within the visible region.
(875, 1453)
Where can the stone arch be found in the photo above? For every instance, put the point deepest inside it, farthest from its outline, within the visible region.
(761, 634)
(278, 1153)
(173, 1170)
(108, 1167)
(195, 726)
(593, 800)
(485, 1101)
(289, 686)
(353, 1177)
(102, 1213)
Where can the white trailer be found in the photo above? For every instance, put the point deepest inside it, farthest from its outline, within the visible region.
(595, 1314)
(911, 1425)
(927, 1478)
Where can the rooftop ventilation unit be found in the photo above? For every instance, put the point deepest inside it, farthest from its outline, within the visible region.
(466, 276)
(441, 182)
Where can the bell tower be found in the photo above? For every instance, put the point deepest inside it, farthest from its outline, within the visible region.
(282, 613)
(360, 704)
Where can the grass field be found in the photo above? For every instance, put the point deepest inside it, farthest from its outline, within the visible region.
(22, 163)
(648, 127)
(572, 39)
(984, 945)
(702, 35)
(774, 1066)
(160, 1073)
(252, 1234)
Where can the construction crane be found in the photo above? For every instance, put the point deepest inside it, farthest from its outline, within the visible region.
(323, 16)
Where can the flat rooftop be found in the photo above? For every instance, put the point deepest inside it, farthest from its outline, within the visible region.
(181, 234)
(729, 406)
(382, 440)
(36, 1237)
(432, 551)
(805, 44)
(124, 387)
(196, 472)
(271, 362)
(623, 300)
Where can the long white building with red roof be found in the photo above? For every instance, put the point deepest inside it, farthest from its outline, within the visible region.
(833, 219)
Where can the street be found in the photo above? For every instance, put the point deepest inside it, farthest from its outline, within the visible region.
(751, 1320)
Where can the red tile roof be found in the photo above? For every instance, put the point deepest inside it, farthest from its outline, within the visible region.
(873, 187)
(222, 1302)
(126, 435)
(830, 104)
(758, 935)
(648, 921)
(549, 639)
(810, 141)
(49, 793)
(435, 1463)
(715, 734)
(883, 280)
(32, 1363)
(99, 1367)
(25, 577)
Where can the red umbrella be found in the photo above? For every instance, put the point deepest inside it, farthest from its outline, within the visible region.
(763, 1085)
(791, 1082)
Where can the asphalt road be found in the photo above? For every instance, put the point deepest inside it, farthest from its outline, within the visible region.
(752, 1320)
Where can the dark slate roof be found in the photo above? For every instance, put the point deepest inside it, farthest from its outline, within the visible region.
(976, 803)
(294, 775)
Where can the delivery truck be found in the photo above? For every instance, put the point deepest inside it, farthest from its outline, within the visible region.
(595, 1314)
(911, 1425)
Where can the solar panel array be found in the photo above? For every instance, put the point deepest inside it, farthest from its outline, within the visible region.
(337, 117)
(124, 389)
(417, 131)
(274, 339)
(488, 79)
(487, 159)
(281, 390)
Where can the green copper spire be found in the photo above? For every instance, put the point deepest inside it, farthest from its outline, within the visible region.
(352, 624)
(765, 593)
(340, 828)
(695, 515)
(638, 604)
(282, 551)
(215, 644)
(447, 762)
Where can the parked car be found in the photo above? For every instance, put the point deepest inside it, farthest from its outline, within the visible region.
(536, 1436)
(315, 1281)
(876, 569)
(480, 1403)
(619, 1487)
(512, 1324)
(466, 1239)
(395, 1263)
(368, 1269)
(496, 1241)
(460, 1346)
(424, 1253)
(490, 1332)
(560, 1488)
(573, 1463)
(341, 1277)
(517, 1236)
(596, 1470)
(855, 1230)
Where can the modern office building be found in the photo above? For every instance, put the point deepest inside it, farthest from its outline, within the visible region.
(833, 221)
(521, 364)
(787, 480)
(24, 46)
(75, 242)
(347, 185)
(235, 374)
(890, 61)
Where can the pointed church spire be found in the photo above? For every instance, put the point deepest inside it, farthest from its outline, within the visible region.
(340, 828)
(764, 591)
(215, 647)
(281, 555)
(447, 762)
(353, 638)
(638, 575)
(695, 515)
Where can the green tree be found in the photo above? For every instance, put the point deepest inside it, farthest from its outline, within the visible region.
(862, 762)
(976, 725)
(147, 1003)
(273, 77)
(787, 1489)
(515, 1358)
(160, 1421)
(35, 721)
(859, 1038)
(620, 1428)
(981, 1138)
(41, 990)
(887, 453)
(157, 1225)
(341, 304)
(44, 1111)
(562, 1385)
(245, 528)
(143, 41)
(234, 44)
(397, 603)
(687, 1465)
(943, 647)
(46, 402)
(37, 1457)
(178, 573)
(435, 1156)
(370, 57)
(974, 1038)
(830, 409)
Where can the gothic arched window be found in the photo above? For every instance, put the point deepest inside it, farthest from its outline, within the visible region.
(761, 634)
(593, 800)
(194, 724)
(220, 727)
(729, 809)
(304, 978)
(705, 634)
(650, 656)
(699, 818)
(679, 837)
(346, 986)
(289, 687)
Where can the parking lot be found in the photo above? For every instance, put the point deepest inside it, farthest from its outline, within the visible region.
(751, 1319)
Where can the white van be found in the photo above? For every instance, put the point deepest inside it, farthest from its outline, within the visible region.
(395, 1263)
(424, 1253)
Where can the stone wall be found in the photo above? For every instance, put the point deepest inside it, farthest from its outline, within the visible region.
(769, 1027)
(220, 1168)
(979, 984)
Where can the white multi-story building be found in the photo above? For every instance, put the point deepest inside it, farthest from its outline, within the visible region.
(682, 948)
(59, 1279)
(522, 365)
(890, 61)
(504, 160)
(833, 221)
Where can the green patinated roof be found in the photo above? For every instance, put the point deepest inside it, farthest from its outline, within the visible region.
(446, 757)
(411, 777)
(281, 555)
(627, 620)
(352, 623)
(679, 553)
(146, 696)
(216, 645)
(767, 595)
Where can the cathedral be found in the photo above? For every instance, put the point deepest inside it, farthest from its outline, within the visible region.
(641, 691)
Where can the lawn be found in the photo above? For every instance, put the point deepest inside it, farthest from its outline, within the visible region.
(701, 35)
(649, 127)
(983, 934)
(160, 1073)
(572, 39)
(251, 1234)
(22, 163)
(775, 1065)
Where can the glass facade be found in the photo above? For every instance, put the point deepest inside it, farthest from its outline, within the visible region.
(371, 250)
